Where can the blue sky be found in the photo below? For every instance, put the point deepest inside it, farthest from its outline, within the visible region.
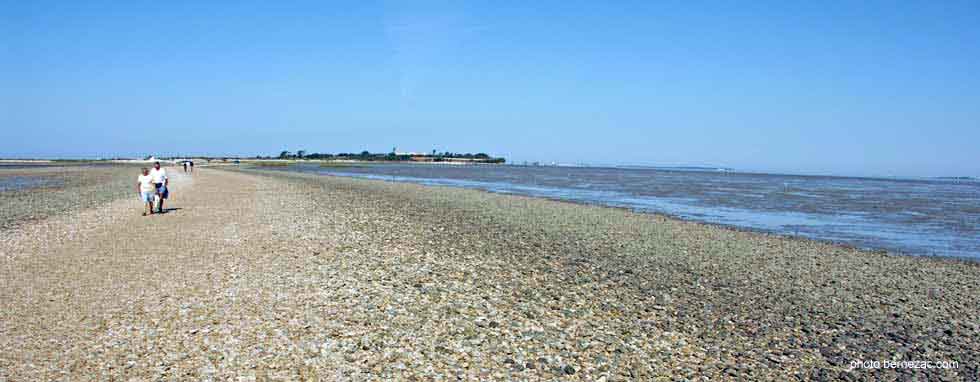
(870, 88)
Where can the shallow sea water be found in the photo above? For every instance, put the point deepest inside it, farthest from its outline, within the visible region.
(913, 216)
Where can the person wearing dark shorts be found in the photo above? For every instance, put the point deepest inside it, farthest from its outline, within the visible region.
(160, 181)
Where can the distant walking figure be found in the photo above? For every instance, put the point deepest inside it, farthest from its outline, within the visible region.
(192, 166)
(160, 181)
(185, 166)
(146, 190)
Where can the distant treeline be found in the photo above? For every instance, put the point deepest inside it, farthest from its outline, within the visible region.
(392, 156)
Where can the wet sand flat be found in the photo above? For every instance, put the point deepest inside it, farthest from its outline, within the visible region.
(282, 276)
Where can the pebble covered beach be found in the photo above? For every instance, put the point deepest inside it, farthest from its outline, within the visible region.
(34, 192)
(265, 275)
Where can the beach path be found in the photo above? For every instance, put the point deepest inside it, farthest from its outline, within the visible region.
(91, 293)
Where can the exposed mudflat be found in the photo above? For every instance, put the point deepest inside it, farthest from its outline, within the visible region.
(916, 216)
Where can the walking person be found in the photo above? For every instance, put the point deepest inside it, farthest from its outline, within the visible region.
(146, 190)
(160, 182)
(185, 166)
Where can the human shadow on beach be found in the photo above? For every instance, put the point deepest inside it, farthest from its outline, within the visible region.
(168, 210)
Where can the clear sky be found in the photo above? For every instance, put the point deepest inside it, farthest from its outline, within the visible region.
(858, 87)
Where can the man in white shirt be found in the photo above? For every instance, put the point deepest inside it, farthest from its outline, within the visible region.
(146, 190)
(160, 181)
